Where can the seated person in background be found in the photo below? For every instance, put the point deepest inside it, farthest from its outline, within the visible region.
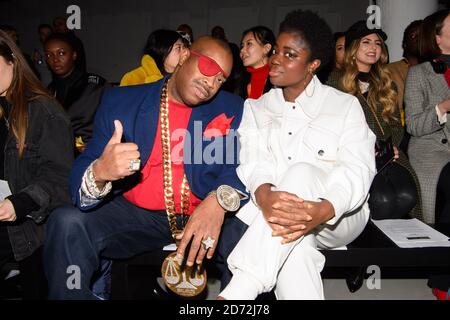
(12, 33)
(399, 69)
(307, 157)
(256, 48)
(135, 175)
(60, 27)
(78, 92)
(395, 189)
(44, 31)
(162, 53)
(36, 154)
(427, 105)
(333, 71)
(186, 32)
(427, 101)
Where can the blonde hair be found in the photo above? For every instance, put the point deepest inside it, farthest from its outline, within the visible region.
(381, 89)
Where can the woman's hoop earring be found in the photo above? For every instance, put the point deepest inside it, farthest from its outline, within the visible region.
(314, 87)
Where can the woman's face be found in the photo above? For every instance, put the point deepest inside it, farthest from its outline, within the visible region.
(369, 52)
(443, 40)
(173, 57)
(290, 67)
(253, 54)
(60, 57)
(6, 75)
(340, 52)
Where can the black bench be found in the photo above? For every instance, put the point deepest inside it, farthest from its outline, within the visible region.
(135, 278)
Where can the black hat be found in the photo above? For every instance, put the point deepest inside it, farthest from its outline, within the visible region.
(359, 30)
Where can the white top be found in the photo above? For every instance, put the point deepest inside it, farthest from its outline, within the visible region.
(442, 117)
(323, 127)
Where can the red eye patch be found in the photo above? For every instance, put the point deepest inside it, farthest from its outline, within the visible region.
(208, 66)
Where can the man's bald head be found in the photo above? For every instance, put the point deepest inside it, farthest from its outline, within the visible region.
(192, 87)
(207, 40)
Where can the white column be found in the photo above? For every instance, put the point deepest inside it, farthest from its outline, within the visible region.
(396, 15)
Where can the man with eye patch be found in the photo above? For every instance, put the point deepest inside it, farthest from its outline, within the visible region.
(133, 176)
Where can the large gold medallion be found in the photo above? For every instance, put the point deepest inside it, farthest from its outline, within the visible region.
(183, 280)
(180, 279)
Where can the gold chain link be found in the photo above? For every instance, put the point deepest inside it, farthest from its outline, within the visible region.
(167, 168)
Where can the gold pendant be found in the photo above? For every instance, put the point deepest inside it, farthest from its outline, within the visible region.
(183, 281)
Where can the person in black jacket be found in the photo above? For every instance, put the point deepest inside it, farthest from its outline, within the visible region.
(37, 154)
(60, 27)
(78, 92)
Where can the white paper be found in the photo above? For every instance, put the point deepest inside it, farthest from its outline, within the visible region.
(412, 233)
(4, 190)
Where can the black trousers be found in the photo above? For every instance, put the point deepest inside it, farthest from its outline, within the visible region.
(443, 196)
(115, 230)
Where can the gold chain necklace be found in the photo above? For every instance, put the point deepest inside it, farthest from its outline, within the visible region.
(167, 168)
(180, 279)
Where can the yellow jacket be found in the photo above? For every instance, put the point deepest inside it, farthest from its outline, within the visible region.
(148, 72)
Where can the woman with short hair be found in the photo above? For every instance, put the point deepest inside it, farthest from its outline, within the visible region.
(78, 92)
(307, 158)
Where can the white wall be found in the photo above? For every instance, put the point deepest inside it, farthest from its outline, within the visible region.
(397, 15)
(114, 32)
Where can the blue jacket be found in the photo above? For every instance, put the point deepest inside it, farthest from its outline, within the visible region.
(210, 163)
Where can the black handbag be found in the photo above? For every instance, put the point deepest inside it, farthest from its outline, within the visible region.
(384, 150)
(393, 193)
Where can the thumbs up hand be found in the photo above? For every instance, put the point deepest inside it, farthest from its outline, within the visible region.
(116, 159)
(117, 135)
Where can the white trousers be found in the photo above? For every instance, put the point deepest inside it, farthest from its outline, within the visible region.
(259, 262)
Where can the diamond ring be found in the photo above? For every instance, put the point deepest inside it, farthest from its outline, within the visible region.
(208, 243)
(135, 164)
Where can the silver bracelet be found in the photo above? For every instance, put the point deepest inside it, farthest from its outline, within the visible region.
(91, 184)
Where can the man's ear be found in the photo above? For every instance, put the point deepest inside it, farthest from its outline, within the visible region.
(74, 56)
(184, 56)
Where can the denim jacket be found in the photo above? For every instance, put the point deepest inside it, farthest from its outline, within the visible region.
(42, 172)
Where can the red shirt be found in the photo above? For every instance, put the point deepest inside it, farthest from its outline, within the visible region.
(258, 81)
(149, 193)
(447, 76)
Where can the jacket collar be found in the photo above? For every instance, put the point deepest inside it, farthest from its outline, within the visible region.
(438, 81)
(146, 122)
(310, 100)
